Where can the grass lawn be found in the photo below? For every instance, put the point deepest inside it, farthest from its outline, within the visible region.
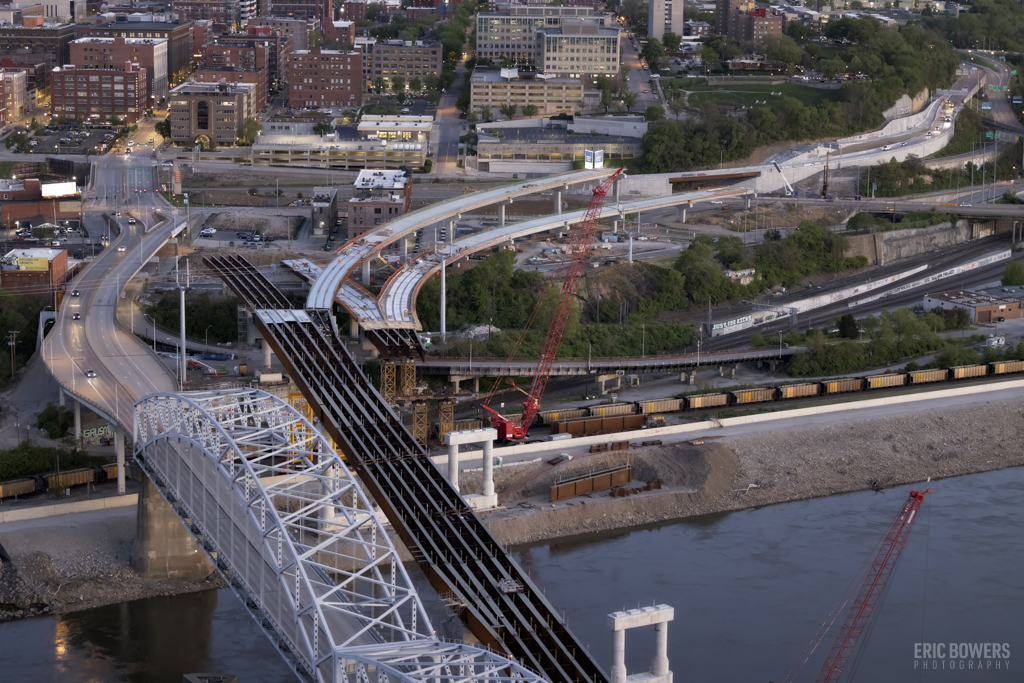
(752, 95)
(975, 59)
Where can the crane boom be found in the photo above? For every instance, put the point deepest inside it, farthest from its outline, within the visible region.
(871, 590)
(579, 249)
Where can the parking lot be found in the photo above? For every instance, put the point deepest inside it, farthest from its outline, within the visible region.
(69, 140)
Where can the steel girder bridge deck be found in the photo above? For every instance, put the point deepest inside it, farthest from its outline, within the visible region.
(277, 510)
(496, 599)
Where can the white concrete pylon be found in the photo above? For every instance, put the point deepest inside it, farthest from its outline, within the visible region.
(486, 437)
(655, 615)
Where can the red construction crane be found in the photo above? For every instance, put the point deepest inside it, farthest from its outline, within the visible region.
(871, 590)
(579, 248)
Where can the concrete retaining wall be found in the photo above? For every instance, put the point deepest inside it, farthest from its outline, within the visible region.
(69, 508)
(882, 248)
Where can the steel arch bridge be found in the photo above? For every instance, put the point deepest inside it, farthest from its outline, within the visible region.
(291, 530)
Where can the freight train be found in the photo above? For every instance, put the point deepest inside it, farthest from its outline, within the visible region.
(785, 392)
(68, 478)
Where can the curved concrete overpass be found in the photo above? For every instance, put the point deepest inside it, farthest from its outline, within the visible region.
(355, 251)
(397, 300)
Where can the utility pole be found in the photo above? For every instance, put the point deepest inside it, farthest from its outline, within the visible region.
(12, 337)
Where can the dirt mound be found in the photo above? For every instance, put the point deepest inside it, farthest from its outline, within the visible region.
(264, 222)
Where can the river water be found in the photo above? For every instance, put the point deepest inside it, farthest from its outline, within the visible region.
(750, 590)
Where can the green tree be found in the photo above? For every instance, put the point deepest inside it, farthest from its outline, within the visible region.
(709, 56)
(653, 51)
(530, 110)
(654, 113)
(398, 85)
(606, 99)
(1014, 275)
(798, 31)
(163, 128)
(250, 129)
(671, 42)
(629, 99)
(677, 105)
(485, 112)
(508, 110)
(624, 72)
(315, 38)
(323, 128)
(415, 84)
(847, 325)
(19, 142)
(379, 84)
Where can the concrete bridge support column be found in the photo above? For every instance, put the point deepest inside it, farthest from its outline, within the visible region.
(682, 214)
(476, 385)
(119, 450)
(366, 272)
(501, 215)
(78, 420)
(619, 657)
(444, 305)
(266, 354)
(353, 329)
(659, 662)
(453, 465)
(164, 548)
(61, 391)
(558, 201)
(488, 484)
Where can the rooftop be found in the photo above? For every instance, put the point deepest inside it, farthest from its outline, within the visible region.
(128, 41)
(550, 135)
(496, 77)
(384, 179)
(199, 88)
(972, 299)
(11, 185)
(323, 196)
(32, 252)
(404, 125)
(369, 118)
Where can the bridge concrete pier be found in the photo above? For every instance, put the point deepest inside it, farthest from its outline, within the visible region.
(61, 396)
(655, 615)
(78, 419)
(353, 329)
(486, 436)
(682, 214)
(266, 355)
(164, 548)
(119, 450)
(366, 272)
(603, 380)
(558, 201)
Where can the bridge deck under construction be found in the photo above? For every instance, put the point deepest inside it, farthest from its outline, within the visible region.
(453, 548)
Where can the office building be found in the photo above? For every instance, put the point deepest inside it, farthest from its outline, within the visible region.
(397, 58)
(113, 53)
(982, 307)
(578, 49)
(37, 67)
(210, 114)
(52, 39)
(297, 29)
(97, 94)
(178, 37)
(234, 74)
(325, 78)
(37, 273)
(278, 48)
(514, 36)
(553, 95)
(15, 94)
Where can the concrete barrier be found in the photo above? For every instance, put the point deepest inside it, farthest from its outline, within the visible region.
(699, 427)
(69, 508)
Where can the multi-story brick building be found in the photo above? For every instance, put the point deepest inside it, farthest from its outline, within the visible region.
(297, 9)
(234, 74)
(295, 28)
(724, 12)
(37, 67)
(203, 31)
(178, 37)
(398, 58)
(578, 49)
(3, 100)
(379, 197)
(37, 272)
(340, 31)
(209, 114)
(15, 13)
(278, 49)
(696, 29)
(217, 11)
(112, 53)
(513, 36)
(756, 24)
(353, 10)
(325, 78)
(53, 39)
(96, 94)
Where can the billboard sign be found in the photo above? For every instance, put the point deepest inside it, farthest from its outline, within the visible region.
(33, 263)
(986, 105)
(599, 159)
(588, 158)
(65, 189)
(70, 207)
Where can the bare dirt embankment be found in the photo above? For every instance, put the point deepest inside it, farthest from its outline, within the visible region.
(782, 465)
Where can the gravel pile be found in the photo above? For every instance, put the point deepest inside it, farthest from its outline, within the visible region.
(78, 563)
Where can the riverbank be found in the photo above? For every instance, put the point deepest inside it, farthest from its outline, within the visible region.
(75, 562)
(768, 467)
(79, 561)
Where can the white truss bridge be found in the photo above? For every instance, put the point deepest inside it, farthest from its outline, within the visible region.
(291, 530)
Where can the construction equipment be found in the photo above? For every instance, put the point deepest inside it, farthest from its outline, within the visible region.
(467, 188)
(573, 266)
(790, 192)
(871, 590)
(824, 185)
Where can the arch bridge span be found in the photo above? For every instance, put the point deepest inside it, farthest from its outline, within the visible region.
(289, 527)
